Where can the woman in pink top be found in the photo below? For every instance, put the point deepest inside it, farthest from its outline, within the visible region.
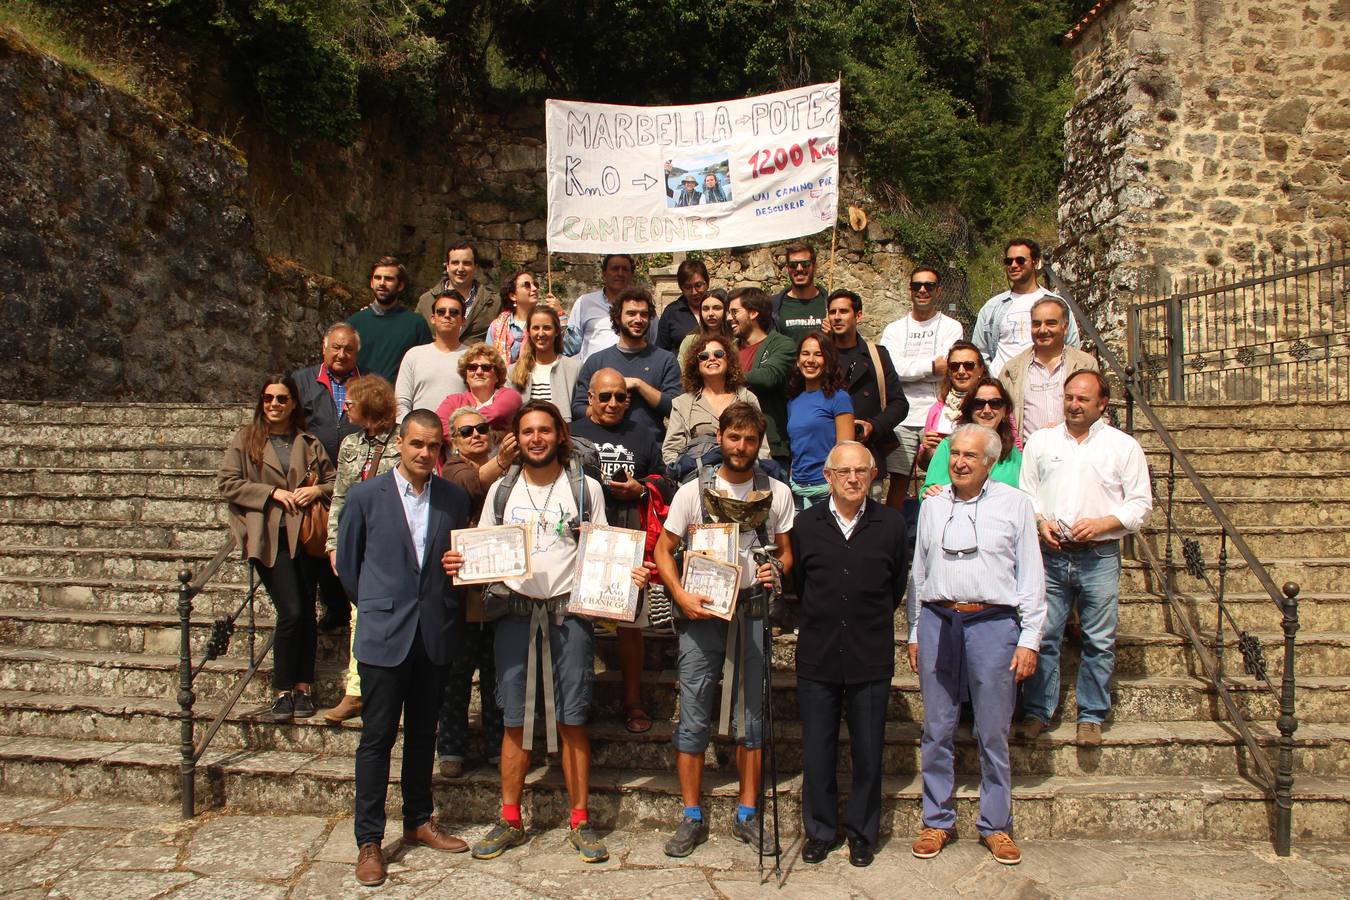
(484, 371)
(965, 367)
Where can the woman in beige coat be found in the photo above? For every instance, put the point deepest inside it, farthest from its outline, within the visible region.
(261, 477)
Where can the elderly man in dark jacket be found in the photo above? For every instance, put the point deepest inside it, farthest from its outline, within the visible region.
(851, 569)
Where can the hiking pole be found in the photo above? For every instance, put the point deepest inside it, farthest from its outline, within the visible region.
(763, 555)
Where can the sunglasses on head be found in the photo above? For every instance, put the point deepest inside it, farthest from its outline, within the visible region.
(479, 367)
(281, 399)
(916, 286)
(1020, 260)
(466, 430)
(991, 402)
(798, 264)
(617, 396)
(705, 355)
(965, 365)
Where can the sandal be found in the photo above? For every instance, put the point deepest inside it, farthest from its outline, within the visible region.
(637, 720)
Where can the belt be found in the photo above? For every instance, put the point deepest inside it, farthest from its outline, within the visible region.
(1077, 546)
(964, 607)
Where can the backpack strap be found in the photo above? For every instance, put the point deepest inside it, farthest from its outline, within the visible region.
(576, 478)
(509, 479)
(876, 371)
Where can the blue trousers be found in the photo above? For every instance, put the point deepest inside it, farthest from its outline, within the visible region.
(1090, 580)
(987, 646)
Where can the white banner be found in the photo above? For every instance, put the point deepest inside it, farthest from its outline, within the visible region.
(647, 179)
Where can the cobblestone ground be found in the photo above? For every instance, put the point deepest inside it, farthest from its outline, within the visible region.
(92, 849)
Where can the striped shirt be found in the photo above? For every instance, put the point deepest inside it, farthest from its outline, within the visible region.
(983, 550)
(541, 382)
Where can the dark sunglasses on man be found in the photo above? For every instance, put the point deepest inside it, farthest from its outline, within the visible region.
(917, 286)
(617, 396)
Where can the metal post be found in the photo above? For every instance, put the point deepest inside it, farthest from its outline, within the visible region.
(187, 770)
(1131, 381)
(1176, 385)
(1287, 724)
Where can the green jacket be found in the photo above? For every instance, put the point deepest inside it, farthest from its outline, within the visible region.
(768, 379)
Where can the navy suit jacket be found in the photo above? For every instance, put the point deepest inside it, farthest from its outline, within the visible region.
(396, 593)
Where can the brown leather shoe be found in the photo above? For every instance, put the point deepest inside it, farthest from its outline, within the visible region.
(930, 842)
(349, 708)
(1003, 848)
(452, 768)
(1032, 728)
(370, 868)
(1090, 734)
(429, 834)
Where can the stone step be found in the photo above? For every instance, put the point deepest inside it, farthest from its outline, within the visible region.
(1267, 486)
(162, 505)
(1129, 748)
(160, 566)
(60, 412)
(1246, 512)
(113, 535)
(93, 437)
(119, 595)
(1265, 541)
(1246, 416)
(1189, 435)
(1247, 459)
(118, 456)
(1326, 575)
(1253, 612)
(1322, 698)
(185, 484)
(1061, 807)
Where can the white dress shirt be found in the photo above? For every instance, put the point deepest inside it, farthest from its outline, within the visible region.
(847, 526)
(1003, 565)
(1104, 475)
(416, 511)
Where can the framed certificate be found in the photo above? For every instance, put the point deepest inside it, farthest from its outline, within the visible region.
(492, 553)
(721, 541)
(714, 579)
(603, 587)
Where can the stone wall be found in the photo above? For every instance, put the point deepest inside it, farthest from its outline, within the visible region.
(128, 267)
(1205, 135)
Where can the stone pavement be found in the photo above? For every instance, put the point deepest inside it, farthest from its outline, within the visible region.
(121, 851)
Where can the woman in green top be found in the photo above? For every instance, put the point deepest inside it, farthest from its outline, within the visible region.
(988, 405)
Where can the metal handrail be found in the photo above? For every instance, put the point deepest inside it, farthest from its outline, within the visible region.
(222, 629)
(1278, 780)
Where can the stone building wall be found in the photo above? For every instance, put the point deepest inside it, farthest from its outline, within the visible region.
(1205, 135)
(128, 267)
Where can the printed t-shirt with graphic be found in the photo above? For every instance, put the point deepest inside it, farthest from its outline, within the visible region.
(687, 509)
(628, 448)
(811, 434)
(547, 510)
(798, 318)
(1014, 331)
(913, 345)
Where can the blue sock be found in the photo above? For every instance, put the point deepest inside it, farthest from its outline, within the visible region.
(694, 812)
(744, 812)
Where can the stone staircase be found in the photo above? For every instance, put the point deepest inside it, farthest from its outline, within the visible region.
(102, 505)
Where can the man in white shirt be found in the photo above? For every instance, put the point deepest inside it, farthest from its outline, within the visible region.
(1035, 377)
(1003, 327)
(430, 373)
(588, 324)
(918, 346)
(1090, 486)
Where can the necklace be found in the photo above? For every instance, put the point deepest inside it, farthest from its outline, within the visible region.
(529, 494)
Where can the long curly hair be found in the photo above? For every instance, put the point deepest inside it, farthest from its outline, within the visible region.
(831, 379)
(690, 377)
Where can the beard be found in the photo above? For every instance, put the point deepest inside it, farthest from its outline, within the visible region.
(634, 335)
(743, 466)
(549, 456)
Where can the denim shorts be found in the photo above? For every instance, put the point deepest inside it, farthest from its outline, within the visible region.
(703, 647)
(572, 646)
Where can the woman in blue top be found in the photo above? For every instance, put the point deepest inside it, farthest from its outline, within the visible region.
(988, 404)
(820, 415)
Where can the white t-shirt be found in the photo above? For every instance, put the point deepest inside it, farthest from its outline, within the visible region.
(1014, 332)
(553, 547)
(687, 509)
(913, 345)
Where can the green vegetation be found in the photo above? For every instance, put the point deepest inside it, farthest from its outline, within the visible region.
(956, 106)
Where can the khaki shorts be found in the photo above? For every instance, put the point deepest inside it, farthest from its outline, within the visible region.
(901, 460)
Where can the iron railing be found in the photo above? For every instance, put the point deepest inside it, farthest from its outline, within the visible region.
(222, 629)
(1277, 778)
(1279, 331)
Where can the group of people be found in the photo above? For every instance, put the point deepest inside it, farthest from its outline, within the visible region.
(771, 412)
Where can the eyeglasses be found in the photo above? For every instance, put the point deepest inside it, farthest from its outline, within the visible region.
(479, 367)
(964, 539)
(799, 264)
(965, 365)
(466, 430)
(917, 286)
(616, 396)
(1020, 260)
(859, 472)
(278, 399)
(448, 313)
(991, 402)
(705, 355)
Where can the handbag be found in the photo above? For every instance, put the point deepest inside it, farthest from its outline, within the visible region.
(314, 522)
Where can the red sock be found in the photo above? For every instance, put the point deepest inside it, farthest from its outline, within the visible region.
(511, 813)
(579, 815)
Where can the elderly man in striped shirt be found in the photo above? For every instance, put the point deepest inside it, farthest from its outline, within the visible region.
(976, 610)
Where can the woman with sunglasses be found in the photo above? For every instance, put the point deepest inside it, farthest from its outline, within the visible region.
(990, 405)
(820, 415)
(372, 451)
(261, 477)
(484, 371)
(541, 371)
(965, 367)
(712, 380)
(472, 465)
(712, 322)
(520, 294)
(431, 372)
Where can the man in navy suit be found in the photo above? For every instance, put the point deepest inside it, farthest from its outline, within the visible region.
(394, 530)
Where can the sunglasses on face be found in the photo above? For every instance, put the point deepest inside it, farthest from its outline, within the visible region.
(917, 286)
(965, 365)
(799, 264)
(982, 402)
(466, 430)
(705, 355)
(479, 367)
(1020, 260)
(448, 312)
(616, 396)
(278, 399)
